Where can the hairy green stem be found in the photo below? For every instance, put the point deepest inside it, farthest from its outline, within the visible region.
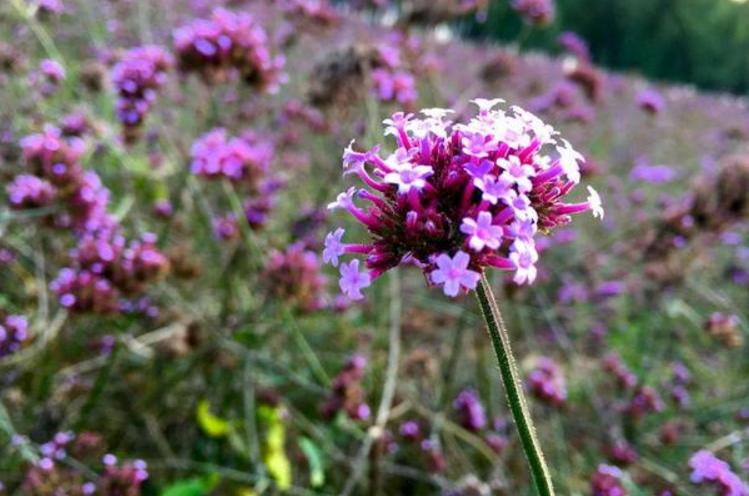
(513, 388)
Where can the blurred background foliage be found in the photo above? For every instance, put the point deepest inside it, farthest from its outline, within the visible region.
(702, 42)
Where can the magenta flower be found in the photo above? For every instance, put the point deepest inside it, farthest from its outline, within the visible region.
(453, 273)
(482, 231)
(352, 281)
(453, 199)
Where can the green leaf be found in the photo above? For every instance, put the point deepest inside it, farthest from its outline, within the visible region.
(192, 487)
(315, 460)
(212, 425)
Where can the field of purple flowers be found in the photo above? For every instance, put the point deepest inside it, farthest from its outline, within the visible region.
(240, 241)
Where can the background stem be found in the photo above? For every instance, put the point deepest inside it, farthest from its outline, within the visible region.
(513, 388)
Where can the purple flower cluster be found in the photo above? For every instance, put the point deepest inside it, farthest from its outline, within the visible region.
(294, 276)
(622, 453)
(456, 198)
(707, 468)
(470, 411)
(241, 159)
(395, 86)
(121, 478)
(606, 481)
(547, 383)
(680, 381)
(56, 176)
(346, 392)
(54, 450)
(651, 101)
(392, 83)
(29, 191)
(226, 44)
(575, 45)
(316, 10)
(137, 79)
(625, 378)
(48, 76)
(48, 476)
(226, 227)
(536, 12)
(46, 8)
(105, 268)
(14, 332)
(54, 157)
(655, 174)
(644, 400)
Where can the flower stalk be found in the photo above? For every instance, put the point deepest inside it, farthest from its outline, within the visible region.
(513, 388)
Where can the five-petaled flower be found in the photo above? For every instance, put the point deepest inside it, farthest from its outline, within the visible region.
(454, 273)
(352, 281)
(482, 231)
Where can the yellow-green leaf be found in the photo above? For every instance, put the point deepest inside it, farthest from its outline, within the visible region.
(274, 456)
(212, 425)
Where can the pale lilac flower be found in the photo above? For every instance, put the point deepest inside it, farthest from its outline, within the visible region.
(521, 205)
(343, 200)
(453, 273)
(517, 173)
(524, 257)
(408, 177)
(568, 159)
(594, 203)
(495, 189)
(352, 281)
(482, 232)
(333, 247)
(476, 145)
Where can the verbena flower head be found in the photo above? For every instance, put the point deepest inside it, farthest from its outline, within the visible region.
(606, 481)
(244, 158)
(229, 43)
(14, 332)
(52, 156)
(470, 410)
(547, 383)
(651, 101)
(294, 276)
(537, 12)
(455, 198)
(137, 78)
(27, 191)
(707, 468)
(346, 392)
